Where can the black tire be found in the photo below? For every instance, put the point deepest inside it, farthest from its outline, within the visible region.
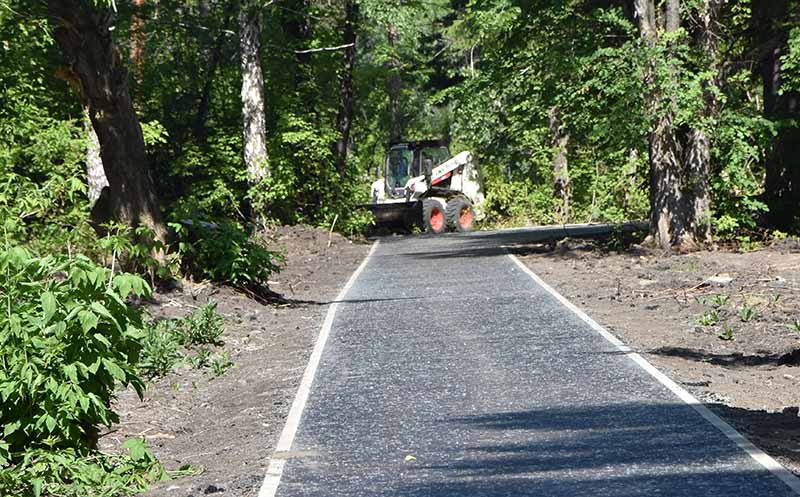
(433, 216)
(460, 215)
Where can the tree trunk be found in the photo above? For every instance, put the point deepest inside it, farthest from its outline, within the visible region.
(84, 35)
(395, 87)
(783, 159)
(344, 118)
(211, 58)
(254, 120)
(668, 224)
(95, 175)
(137, 47)
(679, 162)
(562, 188)
(697, 154)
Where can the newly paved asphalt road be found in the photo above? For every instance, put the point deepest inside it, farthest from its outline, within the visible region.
(450, 372)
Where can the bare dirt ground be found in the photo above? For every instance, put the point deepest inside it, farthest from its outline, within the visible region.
(228, 425)
(725, 325)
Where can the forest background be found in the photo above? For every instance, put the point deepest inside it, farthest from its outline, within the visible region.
(164, 137)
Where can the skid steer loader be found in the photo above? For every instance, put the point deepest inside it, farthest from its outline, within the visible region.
(421, 184)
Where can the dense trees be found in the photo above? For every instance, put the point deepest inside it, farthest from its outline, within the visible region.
(213, 118)
(683, 112)
(99, 77)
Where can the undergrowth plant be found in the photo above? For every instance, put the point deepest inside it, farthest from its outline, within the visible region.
(67, 337)
(171, 342)
(225, 253)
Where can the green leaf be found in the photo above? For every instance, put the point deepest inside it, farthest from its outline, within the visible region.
(50, 422)
(100, 338)
(48, 305)
(136, 448)
(88, 320)
(37, 487)
(123, 285)
(115, 370)
(11, 428)
(71, 372)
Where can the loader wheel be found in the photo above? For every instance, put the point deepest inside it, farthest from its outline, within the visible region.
(460, 214)
(433, 216)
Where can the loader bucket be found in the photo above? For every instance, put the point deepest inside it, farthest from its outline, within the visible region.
(396, 215)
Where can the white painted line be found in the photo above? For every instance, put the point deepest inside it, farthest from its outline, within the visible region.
(276, 465)
(757, 454)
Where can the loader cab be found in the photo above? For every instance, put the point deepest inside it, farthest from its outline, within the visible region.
(406, 160)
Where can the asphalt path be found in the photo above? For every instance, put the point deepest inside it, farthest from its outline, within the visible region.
(449, 371)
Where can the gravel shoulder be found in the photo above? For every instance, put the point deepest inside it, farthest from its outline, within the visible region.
(723, 324)
(228, 425)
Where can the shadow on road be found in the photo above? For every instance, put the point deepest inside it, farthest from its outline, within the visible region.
(526, 241)
(616, 450)
(733, 360)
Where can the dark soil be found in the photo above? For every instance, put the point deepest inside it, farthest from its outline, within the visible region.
(734, 345)
(228, 425)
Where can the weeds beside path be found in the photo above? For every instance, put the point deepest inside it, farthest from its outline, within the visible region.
(228, 423)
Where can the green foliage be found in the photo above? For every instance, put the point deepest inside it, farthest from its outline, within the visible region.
(727, 334)
(202, 327)
(719, 300)
(135, 250)
(42, 185)
(67, 336)
(70, 472)
(747, 313)
(225, 253)
(220, 364)
(160, 350)
(709, 318)
(168, 342)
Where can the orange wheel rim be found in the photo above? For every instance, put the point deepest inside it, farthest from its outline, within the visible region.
(437, 219)
(466, 217)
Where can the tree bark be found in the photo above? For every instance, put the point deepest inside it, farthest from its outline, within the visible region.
(211, 57)
(344, 117)
(82, 32)
(679, 161)
(697, 154)
(138, 41)
(667, 218)
(253, 104)
(395, 87)
(562, 188)
(95, 175)
(783, 159)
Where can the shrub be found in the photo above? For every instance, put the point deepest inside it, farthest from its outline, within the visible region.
(203, 327)
(161, 346)
(67, 336)
(223, 252)
(160, 351)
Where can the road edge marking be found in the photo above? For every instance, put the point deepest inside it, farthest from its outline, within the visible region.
(761, 457)
(275, 469)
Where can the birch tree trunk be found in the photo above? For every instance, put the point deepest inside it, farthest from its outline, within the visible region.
(562, 188)
(254, 121)
(395, 86)
(344, 117)
(95, 175)
(84, 36)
